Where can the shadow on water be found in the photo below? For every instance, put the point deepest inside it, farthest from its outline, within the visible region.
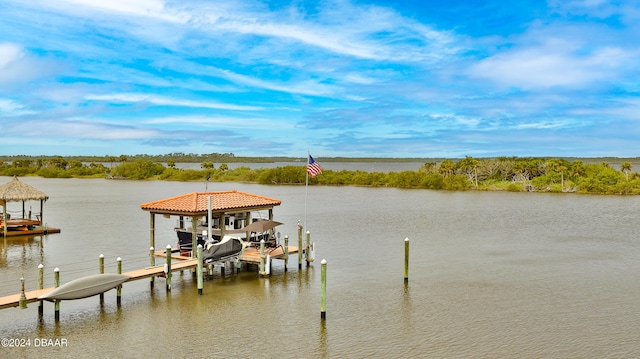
(323, 347)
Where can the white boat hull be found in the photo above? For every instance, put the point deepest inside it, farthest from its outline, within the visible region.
(85, 287)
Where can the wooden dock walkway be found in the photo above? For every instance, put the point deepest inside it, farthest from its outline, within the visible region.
(178, 263)
(30, 232)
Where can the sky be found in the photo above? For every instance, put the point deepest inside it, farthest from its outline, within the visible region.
(404, 78)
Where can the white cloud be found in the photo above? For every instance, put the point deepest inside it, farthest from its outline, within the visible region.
(165, 101)
(9, 53)
(77, 128)
(297, 87)
(12, 108)
(139, 8)
(366, 32)
(222, 122)
(550, 66)
(18, 67)
(540, 125)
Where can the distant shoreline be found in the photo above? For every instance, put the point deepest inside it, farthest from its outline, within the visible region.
(230, 158)
(597, 175)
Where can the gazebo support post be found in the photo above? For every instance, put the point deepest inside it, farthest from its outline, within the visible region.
(152, 230)
(247, 221)
(194, 235)
(223, 224)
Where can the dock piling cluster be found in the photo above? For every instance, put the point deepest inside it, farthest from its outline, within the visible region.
(265, 260)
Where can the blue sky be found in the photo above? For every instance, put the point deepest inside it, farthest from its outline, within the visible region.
(398, 78)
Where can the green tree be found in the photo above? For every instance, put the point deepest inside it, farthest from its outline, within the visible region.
(469, 167)
(447, 167)
(625, 167)
(139, 169)
(111, 160)
(429, 167)
(58, 162)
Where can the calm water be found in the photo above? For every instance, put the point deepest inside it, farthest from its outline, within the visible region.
(492, 275)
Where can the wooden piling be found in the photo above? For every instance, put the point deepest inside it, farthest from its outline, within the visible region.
(323, 289)
(167, 267)
(56, 284)
(101, 261)
(299, 247)
(152, 262)
(119, 287)
(307, 249)
(40, 286)
(406, 260)
(268, 265)
(286, 252)
(199, 269)
(23, 296)
(262, 257)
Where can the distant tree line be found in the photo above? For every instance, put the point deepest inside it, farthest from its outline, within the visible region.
(175, 157)
(505, 173)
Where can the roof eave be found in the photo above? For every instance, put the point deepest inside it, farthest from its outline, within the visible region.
(205, 212)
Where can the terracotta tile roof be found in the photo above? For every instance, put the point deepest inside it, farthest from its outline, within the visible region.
(198, 202)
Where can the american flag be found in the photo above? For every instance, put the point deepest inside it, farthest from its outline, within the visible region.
(313, 167)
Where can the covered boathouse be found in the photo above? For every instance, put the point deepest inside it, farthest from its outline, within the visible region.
(230, 212)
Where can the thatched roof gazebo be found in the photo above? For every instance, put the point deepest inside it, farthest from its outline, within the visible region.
(16, 191)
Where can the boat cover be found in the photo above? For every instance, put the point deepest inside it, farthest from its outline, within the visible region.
(227, 247)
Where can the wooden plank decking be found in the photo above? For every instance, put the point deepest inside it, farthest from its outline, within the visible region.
(250, 254)
(14, 300)
(25, 227)
(29, 232)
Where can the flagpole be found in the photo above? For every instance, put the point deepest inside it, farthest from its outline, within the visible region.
(306, 190)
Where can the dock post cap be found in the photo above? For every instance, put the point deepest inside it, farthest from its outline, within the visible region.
(168, 246)
(56, 269)
(151, 248)
(101, 256)
(119, 259)
(406, 239)
(199, 246)
(262, 241)
(323, 261)
(308, 232)
(40, 266)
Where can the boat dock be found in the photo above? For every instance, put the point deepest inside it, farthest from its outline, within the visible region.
(250, 255)
(25, 227)
(229, 211)
(23, 224)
